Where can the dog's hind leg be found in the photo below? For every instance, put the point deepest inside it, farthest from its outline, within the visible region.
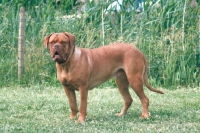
(136, 83)
(123, 84)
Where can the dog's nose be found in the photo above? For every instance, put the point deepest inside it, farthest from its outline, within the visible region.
(56, 46)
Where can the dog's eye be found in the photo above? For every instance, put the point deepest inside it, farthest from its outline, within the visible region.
(51, 43)
(63, 43)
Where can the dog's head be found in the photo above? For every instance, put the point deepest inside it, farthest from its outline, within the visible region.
(60, 45)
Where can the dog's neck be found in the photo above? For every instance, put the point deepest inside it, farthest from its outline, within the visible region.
(73, 49)
(68, 59)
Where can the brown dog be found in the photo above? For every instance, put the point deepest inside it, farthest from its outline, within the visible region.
(83, 69)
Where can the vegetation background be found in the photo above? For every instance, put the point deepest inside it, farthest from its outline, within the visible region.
(167, 34)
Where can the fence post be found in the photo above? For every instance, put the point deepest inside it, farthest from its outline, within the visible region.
(197, 50)
(21, 39)
(103, 31)
(183, 26)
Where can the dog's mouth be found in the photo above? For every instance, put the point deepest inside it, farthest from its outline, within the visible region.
(58, 58)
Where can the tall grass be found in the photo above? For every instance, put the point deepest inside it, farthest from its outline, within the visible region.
(167, 35)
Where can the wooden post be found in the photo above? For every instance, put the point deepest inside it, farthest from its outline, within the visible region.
(103, 32)
(21, 40)
(183, 26)
(197, 50)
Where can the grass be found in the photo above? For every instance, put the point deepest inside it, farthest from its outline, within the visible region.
(45, 109)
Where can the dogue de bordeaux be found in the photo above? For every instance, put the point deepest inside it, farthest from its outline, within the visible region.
(81, 69)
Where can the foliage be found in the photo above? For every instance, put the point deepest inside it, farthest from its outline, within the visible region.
(31, 4)
(167, 35)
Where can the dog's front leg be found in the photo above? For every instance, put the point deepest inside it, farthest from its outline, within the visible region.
(83, 103)
(72, 101)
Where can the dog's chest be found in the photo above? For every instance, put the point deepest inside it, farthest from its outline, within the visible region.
(70, 86)
(66, 79)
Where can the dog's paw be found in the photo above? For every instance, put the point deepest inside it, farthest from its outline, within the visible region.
(80, 121)
(145, 116)
(119, 114)
(72, 117)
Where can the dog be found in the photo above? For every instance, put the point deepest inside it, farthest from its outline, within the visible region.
(81, 69)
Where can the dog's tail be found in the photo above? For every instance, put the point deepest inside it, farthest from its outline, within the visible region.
(145, 78)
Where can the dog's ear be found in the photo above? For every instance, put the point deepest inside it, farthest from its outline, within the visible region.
(46, 40)
(71, 38)
(71, 44)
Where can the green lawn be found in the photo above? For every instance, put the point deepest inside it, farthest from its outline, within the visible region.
(45, 110)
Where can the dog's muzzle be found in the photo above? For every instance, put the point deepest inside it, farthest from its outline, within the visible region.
(58, 56)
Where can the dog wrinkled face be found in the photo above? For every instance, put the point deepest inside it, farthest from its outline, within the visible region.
(58, 45)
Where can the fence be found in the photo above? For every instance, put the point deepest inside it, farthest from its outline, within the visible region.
(168, 36)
